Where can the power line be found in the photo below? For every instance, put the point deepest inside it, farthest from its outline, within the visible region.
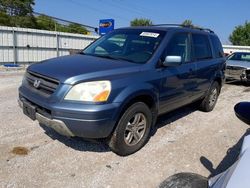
(60, 19)
(63, 20)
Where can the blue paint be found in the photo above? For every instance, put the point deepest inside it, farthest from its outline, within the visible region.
(11, 65)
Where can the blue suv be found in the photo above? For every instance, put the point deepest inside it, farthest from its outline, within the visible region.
(117, 86)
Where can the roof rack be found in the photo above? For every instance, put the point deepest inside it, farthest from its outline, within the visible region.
(186, 26)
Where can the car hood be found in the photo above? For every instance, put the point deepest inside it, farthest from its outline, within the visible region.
(74, 68)
(244, 64)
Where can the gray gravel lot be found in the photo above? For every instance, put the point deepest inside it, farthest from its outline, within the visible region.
(185, 141)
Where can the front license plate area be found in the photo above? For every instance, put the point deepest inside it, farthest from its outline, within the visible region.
(29, 110)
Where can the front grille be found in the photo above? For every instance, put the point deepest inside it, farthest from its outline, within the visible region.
(42, 84)
(235, 68)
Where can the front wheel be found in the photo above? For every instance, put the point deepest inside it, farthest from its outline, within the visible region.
(132, 131)
(209, 102)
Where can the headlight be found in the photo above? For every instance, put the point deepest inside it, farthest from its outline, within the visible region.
(96, 91)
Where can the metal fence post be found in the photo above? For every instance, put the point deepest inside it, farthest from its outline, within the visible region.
(14, 46)
(57, 45)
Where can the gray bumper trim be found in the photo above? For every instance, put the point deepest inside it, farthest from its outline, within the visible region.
(57, 125)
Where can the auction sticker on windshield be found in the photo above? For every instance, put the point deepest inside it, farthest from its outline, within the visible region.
(149, 34)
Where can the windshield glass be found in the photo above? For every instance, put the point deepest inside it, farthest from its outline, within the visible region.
(135, 46)
(240, 56)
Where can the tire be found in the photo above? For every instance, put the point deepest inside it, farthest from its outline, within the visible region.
(209, 102)
(185, 180)
(132, 131)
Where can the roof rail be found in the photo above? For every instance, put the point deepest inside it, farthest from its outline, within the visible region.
(186, 26)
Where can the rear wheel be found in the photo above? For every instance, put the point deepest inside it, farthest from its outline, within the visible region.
(209, 102)
(132, 131)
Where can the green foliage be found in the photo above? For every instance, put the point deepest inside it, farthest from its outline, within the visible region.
(23, 21)
(241, 35)
(17, 7)
(76, 28)
(141, 22)
(188, 23)
(4, 19)
(45, 23)
(17, 13)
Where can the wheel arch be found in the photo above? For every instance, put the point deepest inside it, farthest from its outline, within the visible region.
(145, 96)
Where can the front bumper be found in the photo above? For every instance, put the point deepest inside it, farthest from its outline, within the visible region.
(58, 125)
(73, 119)
(241, 74)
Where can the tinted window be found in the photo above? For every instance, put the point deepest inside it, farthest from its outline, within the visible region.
(179, 45)
(202, 48)
(135, 46)
(218, 50)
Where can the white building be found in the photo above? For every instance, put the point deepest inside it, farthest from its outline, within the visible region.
(228, 49)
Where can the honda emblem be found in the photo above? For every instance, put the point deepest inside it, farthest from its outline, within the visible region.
(36, 83)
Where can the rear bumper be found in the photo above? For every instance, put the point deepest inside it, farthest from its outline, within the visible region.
(74, 119)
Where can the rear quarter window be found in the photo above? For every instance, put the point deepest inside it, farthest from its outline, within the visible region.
(218, 50)
(201, 45)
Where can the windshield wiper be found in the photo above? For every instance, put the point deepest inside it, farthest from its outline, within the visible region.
(116, 58)
(125, 59)
(106, 56)
(81, 52)
(110, 57)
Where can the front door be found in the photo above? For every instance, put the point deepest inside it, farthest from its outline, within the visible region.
(178, 82)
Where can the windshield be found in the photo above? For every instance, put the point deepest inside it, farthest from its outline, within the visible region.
(240, 57)
(135, 46)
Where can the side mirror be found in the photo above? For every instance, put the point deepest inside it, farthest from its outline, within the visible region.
(242, 111)
(172, 61)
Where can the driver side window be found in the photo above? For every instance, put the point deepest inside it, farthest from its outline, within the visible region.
(179, 45)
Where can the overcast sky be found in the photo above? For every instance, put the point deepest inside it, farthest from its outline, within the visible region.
(219, 15)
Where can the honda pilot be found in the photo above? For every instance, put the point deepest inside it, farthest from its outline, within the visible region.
(117, 86)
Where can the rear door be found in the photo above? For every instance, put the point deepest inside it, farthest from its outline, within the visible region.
(178, 83)
(207, 66)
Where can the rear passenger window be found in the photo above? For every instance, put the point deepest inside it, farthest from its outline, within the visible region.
(202, 48)
(179, 45)
(218, 50)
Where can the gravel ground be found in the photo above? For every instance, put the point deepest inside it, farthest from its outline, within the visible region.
(186, 140)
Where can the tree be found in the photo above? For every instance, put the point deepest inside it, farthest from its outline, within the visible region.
(188, 23)
(241, 35)
(4, 19)
(17, 7)
(46, 23)
(19, 13)
(141, 22)
(77, 28)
